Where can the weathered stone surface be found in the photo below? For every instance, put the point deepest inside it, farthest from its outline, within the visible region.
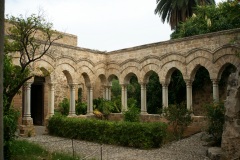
(231, 134)
(214, 153)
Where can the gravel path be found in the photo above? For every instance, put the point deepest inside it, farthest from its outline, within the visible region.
(191, 148)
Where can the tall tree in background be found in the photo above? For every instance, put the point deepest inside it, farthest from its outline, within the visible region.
(176, 11)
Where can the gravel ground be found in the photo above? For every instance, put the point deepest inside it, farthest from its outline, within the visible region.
(191, 148)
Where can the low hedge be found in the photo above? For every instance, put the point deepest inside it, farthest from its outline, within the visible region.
(132, 134)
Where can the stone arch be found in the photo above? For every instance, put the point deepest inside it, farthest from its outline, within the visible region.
(87, 74)
(147, 71)
(127, 74)
(169, 68)
(225, 60)
(197, 63)
(68, 71)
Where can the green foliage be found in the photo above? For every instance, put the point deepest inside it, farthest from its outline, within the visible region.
(179, 118)
(177, 87)
(176, 11)
(64, 106)
(132, 134)
(215, 115)
(23, 149)
(106, 107)
(115, 89)
(10, 118)
(209, 19)
(133, 113)
(24, 40)
(154, 95)
(81, 108)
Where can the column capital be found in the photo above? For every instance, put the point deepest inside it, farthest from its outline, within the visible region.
(142, 83)
(165, 84)
(215, 81)
(188, 82)
(123, 85)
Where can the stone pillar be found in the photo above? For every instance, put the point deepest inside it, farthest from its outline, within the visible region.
(104, 92)
(27, 120)
(51, 99)
(107, 92)
(72, 100)
(90, 101)
(189, 94)
(165, 95)
(143, 99)
(124, 97)
(27, 128)
(215, 90)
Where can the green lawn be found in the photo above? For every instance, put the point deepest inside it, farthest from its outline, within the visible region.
(23, 149)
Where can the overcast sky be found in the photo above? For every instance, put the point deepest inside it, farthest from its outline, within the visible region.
(104, 25)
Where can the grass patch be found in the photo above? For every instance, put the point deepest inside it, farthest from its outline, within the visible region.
(22, 149)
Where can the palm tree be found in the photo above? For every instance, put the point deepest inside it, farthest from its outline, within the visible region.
(176, 11)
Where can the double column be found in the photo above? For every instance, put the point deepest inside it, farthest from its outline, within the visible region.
(51, 98)
(124, 97)
(107, 92)
(27, 120)
(90, 100)
(215, 90)
(72, 99)
(165, 95)
(143, 98)
(189, 94)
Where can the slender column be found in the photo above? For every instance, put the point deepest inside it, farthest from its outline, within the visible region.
(88, 100)
(165, 95)
(91, 100)
(143, 99)
(215, 90)
(104, 92)
(51, 99)
(189, 94)
(72, 100)
(107, 92)
(124, 97)
(27, 100)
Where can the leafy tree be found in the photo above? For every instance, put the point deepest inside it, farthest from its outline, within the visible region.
(29, 39)
(209, 19)
(176, 11)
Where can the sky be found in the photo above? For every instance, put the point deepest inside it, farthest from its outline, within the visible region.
(104, 25)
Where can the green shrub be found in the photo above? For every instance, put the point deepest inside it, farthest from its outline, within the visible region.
(81, 108)
(132, 114)
(10, 120)
(106, 107)
(179, 118)
(64, 106)
(215, 115)
(140, 135)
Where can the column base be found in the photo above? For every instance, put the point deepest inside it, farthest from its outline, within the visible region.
(27, 128)
(72, 115)
(27, 121)
(144, 113)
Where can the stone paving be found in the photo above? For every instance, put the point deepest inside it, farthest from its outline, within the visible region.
(191, 148)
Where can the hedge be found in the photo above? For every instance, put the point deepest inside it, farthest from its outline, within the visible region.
(131, 134)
